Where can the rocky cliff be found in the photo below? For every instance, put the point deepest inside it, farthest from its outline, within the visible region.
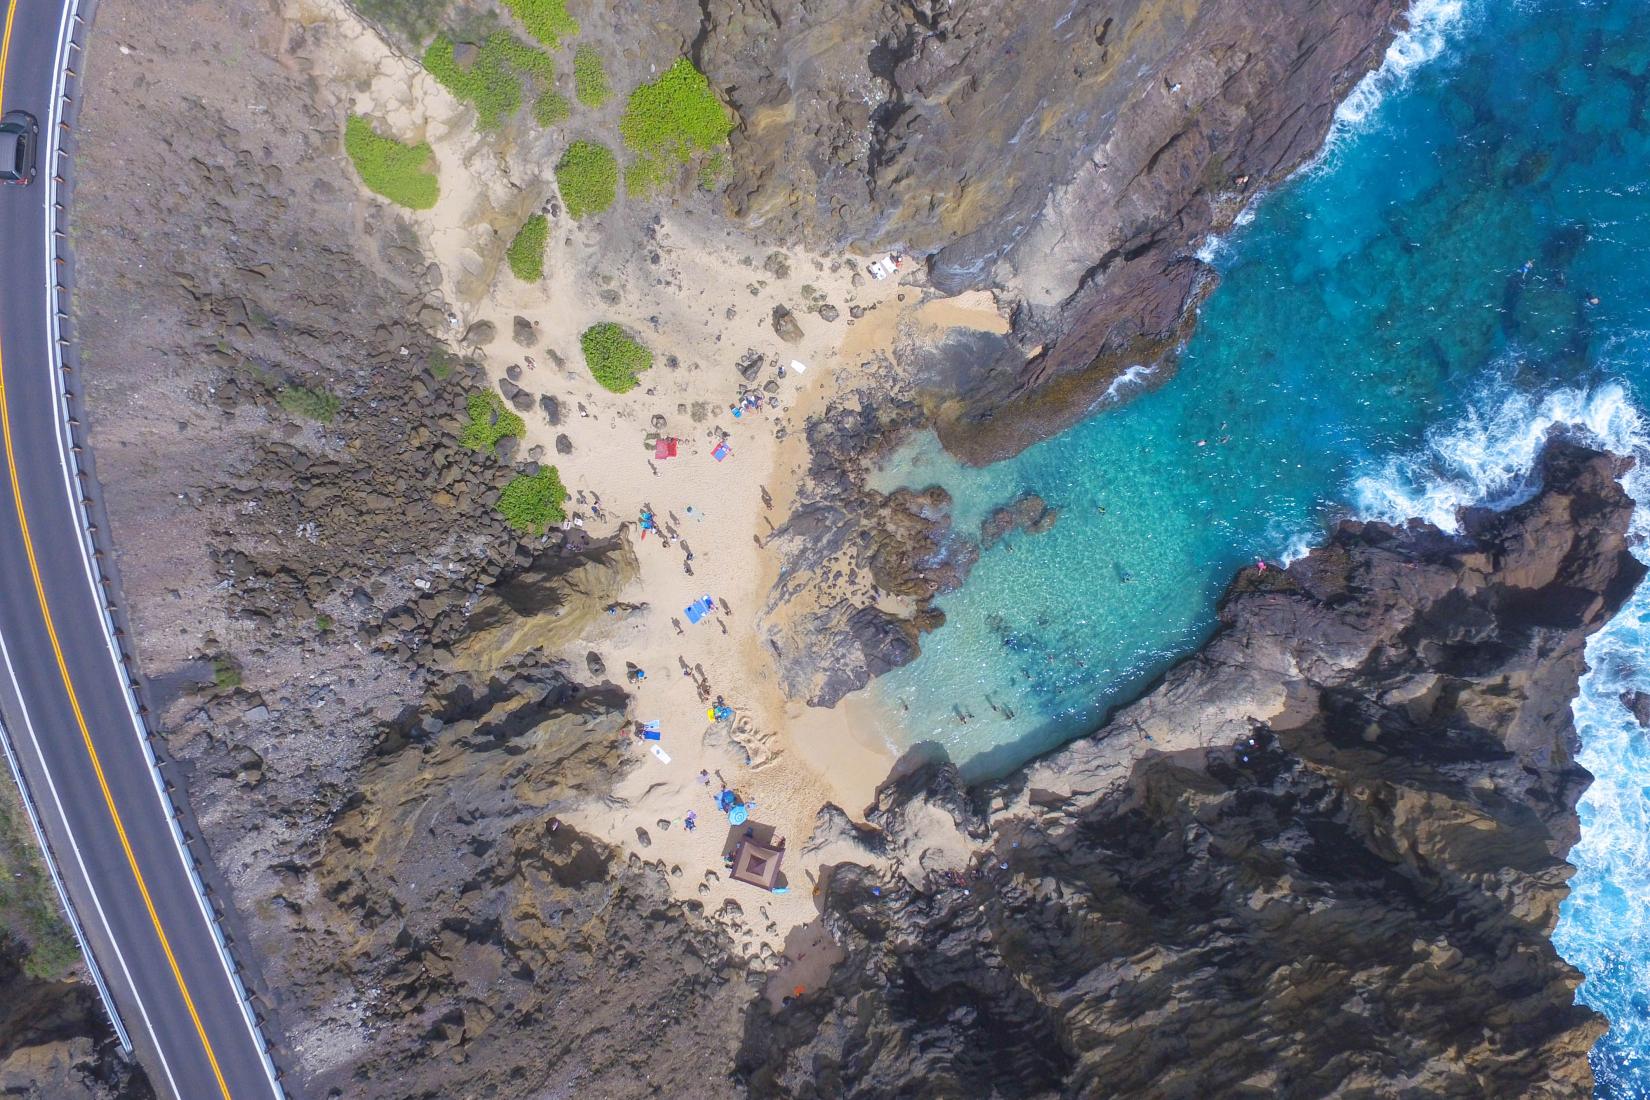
(1322, 858)
(1070, 154)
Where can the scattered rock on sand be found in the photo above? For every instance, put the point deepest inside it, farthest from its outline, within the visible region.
(551, 408)
(564, 445)
(785, 325)
(750, 365)
(523, 332)
(480, 334)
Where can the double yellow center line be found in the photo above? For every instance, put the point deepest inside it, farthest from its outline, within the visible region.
(63, 668)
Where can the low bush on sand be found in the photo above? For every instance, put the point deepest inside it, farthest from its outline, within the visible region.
(489, 421)
(526, 251)
(588, 175)
(492, 80)
(589, 77)
(398, 172)
(546, 20)
(532, 503)
(670, 120)
(613, 357)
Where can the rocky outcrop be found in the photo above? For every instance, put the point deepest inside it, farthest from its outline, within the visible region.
(1323, 857)
(862, 568)
(55, 1040)
(1069, 152)
(1029, 513)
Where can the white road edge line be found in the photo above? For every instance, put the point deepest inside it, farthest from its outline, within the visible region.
(70, 468)
(91, 887)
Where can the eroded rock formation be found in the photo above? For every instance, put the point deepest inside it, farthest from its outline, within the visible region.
(1323, 858)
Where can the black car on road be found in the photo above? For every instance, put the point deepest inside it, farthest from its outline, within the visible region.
(19, 143)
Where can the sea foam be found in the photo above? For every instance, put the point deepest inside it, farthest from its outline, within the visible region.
(1488, 457)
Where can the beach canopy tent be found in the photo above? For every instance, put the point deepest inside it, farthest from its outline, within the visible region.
(757, 864)
(664, 448)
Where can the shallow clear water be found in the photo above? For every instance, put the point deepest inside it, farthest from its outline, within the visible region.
(1375, 348)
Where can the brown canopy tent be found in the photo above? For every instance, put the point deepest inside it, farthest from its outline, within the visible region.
(757, 864)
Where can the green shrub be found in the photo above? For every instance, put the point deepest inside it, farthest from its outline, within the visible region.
(441, 363)
(489, 422)
(672, 118)
(589, 77)
(226, 672)
(311, 404)
(551, 108)
(388, 168)
(526, 251)
(712, 171)
(588, 175)
(642, 176)
(492, 83)
(613, 357)
(546, 20)
(533, 502)
(29, 908)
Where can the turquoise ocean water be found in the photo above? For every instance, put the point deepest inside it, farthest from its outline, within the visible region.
(1379, 348)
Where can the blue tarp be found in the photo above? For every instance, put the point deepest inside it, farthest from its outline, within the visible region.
(698, 609)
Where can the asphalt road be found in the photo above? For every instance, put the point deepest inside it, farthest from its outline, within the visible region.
(63, 694)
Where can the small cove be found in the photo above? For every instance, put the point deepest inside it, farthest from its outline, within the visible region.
(1377, 347)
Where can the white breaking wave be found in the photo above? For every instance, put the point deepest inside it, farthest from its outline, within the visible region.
(1604, 924)
(1133, 378)
(1488, 457)
(1423, 40)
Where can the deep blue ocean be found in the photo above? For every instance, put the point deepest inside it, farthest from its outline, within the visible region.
(1396, 330)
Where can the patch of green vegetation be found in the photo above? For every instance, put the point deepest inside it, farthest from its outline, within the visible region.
(613, 357)
(552, 109)
(533, 502)
(492, 82)
(546, 20)
(642, 176)
(590, 77)
(311, 404)
(588, 175)
(441, 363)
(29, 907)
(712, 171)
(388, 168)
(226, 673)
(526, 251)
(323, 623)
(489, 422)
(670, 120)
(412, 20)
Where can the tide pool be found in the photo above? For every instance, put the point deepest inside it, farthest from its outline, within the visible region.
(1396, 330)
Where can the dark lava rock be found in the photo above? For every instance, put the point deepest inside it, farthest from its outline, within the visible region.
(750, 365)
(828, 312)
(1638, 702)
(1030, 513)
(785, 325)
(519, 399)
(551, 408)
(564, 445)
(523, 332)
(593, 661)
(1323, 858)
(480, 334)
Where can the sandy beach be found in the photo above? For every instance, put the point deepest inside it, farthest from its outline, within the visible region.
(701, 297)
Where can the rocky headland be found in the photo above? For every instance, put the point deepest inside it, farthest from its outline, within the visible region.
(408, 754)
(1323, 857)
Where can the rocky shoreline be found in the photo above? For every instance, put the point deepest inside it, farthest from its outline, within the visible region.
(356, 660)
(1325, 855)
